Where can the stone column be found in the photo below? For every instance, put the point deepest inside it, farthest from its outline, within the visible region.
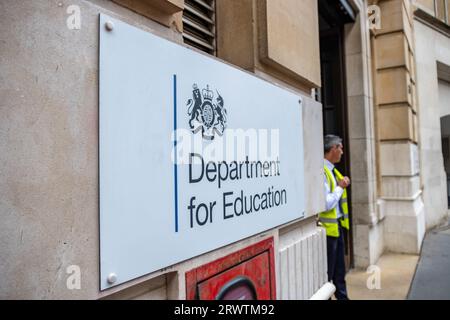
(395, 97)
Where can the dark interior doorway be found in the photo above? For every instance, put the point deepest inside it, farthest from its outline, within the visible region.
(445, 134)
(333, 15)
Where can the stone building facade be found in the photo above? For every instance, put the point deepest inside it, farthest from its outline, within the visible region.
(394, 85)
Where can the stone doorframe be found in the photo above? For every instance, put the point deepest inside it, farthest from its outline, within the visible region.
(366, 214)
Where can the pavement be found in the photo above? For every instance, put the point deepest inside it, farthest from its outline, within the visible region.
(389, 279)
(432, 278)
(402, 276)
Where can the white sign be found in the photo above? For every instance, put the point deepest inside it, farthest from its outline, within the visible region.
(194, 154)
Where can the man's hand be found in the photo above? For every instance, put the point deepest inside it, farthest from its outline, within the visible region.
(344, 183)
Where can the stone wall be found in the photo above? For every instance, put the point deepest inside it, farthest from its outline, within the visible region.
(367, 232)
(49, 149)
(397, 130)
(432, 47)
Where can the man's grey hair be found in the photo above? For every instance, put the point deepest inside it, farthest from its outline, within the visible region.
(329, 141)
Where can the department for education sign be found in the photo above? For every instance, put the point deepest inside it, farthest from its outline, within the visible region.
(194, 154)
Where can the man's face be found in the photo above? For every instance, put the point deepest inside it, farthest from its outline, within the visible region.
(336, 153)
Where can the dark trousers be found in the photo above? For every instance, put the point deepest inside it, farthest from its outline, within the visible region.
(336, 264)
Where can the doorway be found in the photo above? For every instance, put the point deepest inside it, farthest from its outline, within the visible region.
(333, 15)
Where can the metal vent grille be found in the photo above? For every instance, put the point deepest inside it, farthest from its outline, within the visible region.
(199, 25)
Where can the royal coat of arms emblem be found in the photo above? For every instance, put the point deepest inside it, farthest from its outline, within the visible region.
(205, 114)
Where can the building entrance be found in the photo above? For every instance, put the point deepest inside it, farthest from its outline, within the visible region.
(333, 15)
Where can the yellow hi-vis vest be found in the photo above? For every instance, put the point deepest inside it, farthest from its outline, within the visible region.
(329, 218)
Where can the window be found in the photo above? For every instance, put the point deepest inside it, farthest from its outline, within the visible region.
(199, 25)
(440, 9)
(447, 5)
(426, 4)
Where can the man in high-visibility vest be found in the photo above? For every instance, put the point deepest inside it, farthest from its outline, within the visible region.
(335, 218)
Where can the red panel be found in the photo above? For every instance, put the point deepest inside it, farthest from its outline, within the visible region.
(259, 268)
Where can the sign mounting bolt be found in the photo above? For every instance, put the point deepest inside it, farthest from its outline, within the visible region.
(112, 277)
(109, 26)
